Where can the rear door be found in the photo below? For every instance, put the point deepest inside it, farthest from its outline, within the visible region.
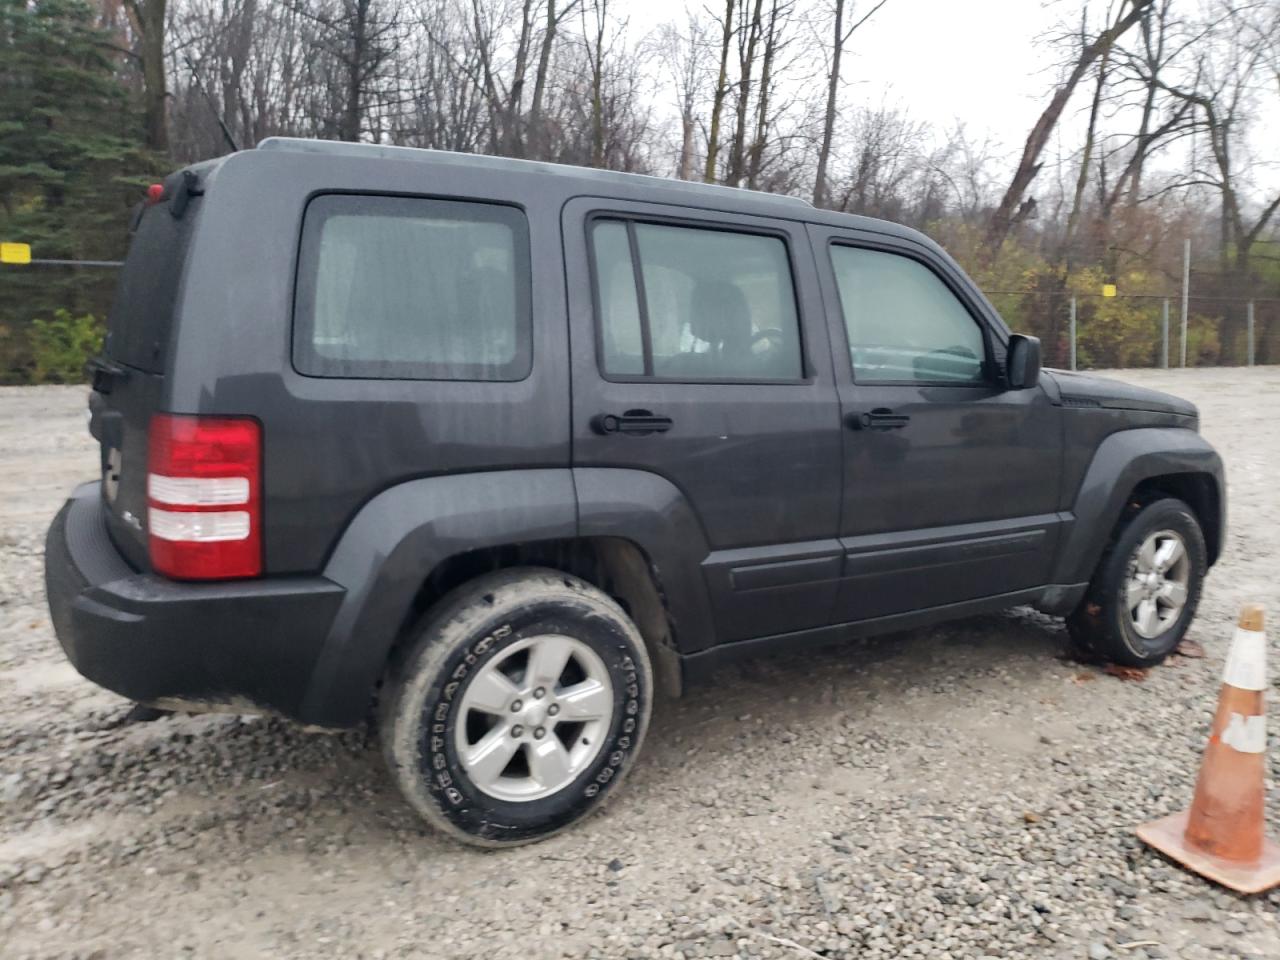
(129, 379)
(950, 479)
(699, 354)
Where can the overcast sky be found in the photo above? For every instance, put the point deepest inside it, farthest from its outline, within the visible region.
(976, 61)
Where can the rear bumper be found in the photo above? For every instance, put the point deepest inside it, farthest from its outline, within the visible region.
(240, 645)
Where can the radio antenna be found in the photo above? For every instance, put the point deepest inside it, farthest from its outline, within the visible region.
(222, 125)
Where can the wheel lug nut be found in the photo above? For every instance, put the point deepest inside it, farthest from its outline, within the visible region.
(553, 709)
(517, 731)
(538, 733)
(517, 706)
(540, 693)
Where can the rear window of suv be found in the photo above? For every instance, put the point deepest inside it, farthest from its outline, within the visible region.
(411, 288)
(141, 313)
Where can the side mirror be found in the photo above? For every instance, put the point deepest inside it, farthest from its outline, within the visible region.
(1023, 364)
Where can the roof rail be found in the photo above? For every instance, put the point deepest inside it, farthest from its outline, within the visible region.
(484, 161)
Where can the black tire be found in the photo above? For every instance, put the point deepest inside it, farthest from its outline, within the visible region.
(1102, 623)
(476, 630)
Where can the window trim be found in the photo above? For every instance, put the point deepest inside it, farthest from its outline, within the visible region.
(302, 299)
(629, 220)
(991, 377)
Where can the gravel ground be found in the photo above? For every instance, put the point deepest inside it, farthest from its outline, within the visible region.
(954, 792)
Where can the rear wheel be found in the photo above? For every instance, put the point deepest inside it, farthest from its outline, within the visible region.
(1144, 593)
(517, 707)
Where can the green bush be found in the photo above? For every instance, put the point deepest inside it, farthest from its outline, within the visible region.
(60, 347)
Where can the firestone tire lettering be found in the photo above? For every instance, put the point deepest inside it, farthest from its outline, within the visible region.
(428, 680)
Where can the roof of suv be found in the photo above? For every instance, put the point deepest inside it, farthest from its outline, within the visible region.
(590, 179)
(586, 181)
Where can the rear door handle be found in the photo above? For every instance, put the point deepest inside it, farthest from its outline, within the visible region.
(637, 422)
(881, 418)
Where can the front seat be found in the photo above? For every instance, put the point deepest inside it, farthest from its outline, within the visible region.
(720, 318)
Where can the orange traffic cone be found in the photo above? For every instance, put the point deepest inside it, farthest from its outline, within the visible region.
(1221, 837)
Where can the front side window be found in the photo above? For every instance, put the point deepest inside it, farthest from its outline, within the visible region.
(690, 304)
(410, 288)
(903, 322)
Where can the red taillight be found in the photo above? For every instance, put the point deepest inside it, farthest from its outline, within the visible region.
(204, 497)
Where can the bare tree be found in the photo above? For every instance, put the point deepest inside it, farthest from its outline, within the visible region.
(1013, 207)
(683, 54)
(594, 36)
(840, 35)
(775, 41)
(885, 167)
(1230, 73)
(1086, 154)
(550, 28)
(749, 19)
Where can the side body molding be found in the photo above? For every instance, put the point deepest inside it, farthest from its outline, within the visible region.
(652, 513)
(396, 540)
(1122, 461)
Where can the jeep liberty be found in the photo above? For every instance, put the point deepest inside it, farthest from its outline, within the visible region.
(492, 450)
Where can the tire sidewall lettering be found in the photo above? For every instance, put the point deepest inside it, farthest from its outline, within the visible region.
(439, 766)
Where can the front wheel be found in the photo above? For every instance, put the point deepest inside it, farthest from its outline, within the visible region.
(1144, 593)
(517, 706)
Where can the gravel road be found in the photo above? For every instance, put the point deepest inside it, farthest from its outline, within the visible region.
(954, 792)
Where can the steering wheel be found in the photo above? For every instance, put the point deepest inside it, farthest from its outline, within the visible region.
(771, 334)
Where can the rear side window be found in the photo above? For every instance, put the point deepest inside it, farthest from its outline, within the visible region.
(691, 304)
(141, 314)
(408, 288)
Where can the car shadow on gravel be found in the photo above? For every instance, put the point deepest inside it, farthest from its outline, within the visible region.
(272, 780)
(1020, 638)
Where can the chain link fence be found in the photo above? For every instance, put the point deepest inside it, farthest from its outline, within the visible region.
(1080, 332)
(1093, 332)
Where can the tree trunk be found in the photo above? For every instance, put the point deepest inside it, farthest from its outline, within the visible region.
(512, 135)
(685, 171)
(829, 117)
(755, 156)
(721, 91)
(1134, 173)
(148, 19)
(746, 64)
(349, 123)
(1012, 205)
(597, 85)
(1082, 180)
(540, 79)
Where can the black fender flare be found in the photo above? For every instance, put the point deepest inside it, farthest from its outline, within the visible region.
(651, 512)
(1123, 461)
(391, 546)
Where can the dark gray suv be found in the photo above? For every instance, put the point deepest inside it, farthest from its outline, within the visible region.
(498, 447)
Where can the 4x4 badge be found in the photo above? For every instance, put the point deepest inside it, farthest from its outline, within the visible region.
(111, 474)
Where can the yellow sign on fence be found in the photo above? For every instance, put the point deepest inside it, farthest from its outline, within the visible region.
(1108, 289)
(15, 253)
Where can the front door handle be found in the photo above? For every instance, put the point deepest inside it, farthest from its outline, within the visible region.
(636, 422)
(881, 418)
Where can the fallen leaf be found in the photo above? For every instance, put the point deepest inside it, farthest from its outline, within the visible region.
(1189, 648)
(1030, 817)
(1125, 673)
(1084, 677)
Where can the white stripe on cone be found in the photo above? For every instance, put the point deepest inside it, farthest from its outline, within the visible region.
(1246, 667)
(1246, 734)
